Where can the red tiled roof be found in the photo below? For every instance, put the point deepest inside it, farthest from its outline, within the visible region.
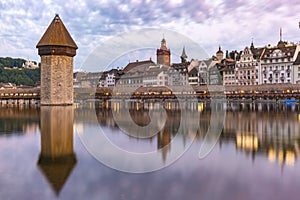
(133, 65)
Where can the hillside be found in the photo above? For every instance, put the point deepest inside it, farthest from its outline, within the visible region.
(11, 71)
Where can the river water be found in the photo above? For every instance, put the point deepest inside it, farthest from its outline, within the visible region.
(60, 152)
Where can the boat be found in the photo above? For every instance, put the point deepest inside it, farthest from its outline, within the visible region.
(290, 102)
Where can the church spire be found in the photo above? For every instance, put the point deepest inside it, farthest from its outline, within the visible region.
(163, 43)
(183, 56)
(252, 45)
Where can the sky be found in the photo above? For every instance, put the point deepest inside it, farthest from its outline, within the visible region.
(232, 24)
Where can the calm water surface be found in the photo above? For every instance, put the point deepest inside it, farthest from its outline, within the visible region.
(256, 156)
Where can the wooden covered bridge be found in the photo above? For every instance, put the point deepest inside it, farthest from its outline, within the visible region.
(268, 91)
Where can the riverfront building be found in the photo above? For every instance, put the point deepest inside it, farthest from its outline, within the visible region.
(228, 71)
(279, 64)
(247, 69)
(296, 70)
(147, 73)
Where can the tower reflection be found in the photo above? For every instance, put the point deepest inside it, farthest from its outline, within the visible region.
(57, 158)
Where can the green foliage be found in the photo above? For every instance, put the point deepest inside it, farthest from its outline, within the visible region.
(18, 76)
(11, 62)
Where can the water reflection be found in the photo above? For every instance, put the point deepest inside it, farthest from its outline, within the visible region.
(57, 158)
(274, 134)
(269, 130)
(146, 150)
(179, 124)
(258, 142)
(18, 120)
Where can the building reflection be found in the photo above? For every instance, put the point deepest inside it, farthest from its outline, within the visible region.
(57, 158)
(269, 130)
(19, 120)
(139, 112)
(273, 132)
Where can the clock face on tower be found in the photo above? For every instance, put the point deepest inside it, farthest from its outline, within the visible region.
(167, 59)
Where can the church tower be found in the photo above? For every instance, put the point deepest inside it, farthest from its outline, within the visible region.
(163, 54)
(220, 54)
(57, 49)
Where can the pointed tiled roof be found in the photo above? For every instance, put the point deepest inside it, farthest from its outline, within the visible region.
(163, 45)
(57, 35)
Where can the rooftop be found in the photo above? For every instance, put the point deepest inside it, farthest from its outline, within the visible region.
(287, 51)
(133, 65)
(57, 35)
(297, 61)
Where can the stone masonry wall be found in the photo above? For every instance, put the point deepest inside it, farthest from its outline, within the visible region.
(56, 80)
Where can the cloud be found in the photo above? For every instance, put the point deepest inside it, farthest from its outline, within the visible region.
(132, 43)
(230, 23)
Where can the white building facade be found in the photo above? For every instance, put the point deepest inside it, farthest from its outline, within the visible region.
(110, 80)
(296, 70)
(277, 64)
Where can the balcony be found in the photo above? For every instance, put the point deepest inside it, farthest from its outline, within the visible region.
(288, 70)
(282, 78)
(270, 78)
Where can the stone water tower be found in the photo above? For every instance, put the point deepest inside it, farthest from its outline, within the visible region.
(163, 54)
(57, 49)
